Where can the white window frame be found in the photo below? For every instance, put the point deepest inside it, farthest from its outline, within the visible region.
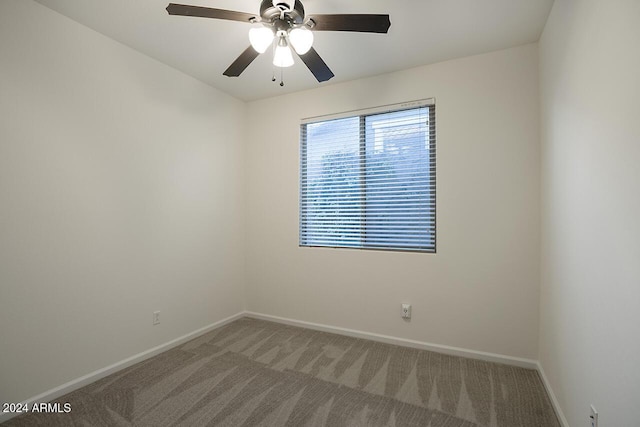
(429, 245)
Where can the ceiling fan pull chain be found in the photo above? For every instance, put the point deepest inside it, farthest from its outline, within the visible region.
(281, 78)
(273, 54)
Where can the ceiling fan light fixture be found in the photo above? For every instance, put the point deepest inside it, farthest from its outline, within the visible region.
(301, 39)
(260, 38)
(283, 57)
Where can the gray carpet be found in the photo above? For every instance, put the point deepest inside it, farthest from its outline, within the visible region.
(257, 373)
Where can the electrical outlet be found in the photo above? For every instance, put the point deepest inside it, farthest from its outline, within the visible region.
(406, 311)
(156, 317)
(593, 418)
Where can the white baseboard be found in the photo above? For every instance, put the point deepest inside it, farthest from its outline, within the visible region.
(101, 373)
(552, 396)
(454, 351)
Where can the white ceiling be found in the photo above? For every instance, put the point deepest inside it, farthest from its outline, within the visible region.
(422, 32)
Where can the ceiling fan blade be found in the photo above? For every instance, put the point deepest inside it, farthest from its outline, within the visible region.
(242, 62)
(316, 65)
(207, 12)
(357, 23)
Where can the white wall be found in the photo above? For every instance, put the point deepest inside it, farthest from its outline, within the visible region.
(480, 291)
(590, 305)
(120, 194)
(123, 184)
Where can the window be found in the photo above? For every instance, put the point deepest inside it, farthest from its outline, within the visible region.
(368, 179)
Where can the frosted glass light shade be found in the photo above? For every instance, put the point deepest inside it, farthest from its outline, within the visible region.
(283, 57)
(301, 39)
(260, 38)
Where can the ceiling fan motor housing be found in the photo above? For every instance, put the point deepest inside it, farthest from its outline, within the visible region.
(271, 10)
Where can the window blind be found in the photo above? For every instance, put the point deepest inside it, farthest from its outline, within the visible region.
(369, 180)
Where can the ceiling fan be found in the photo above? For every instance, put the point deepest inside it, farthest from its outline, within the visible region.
(283, 24)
